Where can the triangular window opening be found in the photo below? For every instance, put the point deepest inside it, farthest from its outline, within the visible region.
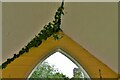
(58, 65)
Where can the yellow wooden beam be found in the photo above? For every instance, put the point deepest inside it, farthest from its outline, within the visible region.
(22, 66)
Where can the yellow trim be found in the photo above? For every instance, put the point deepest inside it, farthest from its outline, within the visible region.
(22, 66)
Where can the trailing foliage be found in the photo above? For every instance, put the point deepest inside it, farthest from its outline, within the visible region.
(57, 36)
(46, 32)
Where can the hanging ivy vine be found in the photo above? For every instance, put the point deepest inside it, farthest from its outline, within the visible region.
(48, 30)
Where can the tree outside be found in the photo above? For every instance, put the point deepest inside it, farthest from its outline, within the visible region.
(46, 72)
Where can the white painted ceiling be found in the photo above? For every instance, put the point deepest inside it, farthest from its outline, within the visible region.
(92, 25)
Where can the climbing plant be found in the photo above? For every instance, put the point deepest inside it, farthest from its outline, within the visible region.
(48, 30)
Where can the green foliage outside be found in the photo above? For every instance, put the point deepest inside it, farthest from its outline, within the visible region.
(47, 72)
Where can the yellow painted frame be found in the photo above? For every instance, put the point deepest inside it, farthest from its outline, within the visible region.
(23, 66)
